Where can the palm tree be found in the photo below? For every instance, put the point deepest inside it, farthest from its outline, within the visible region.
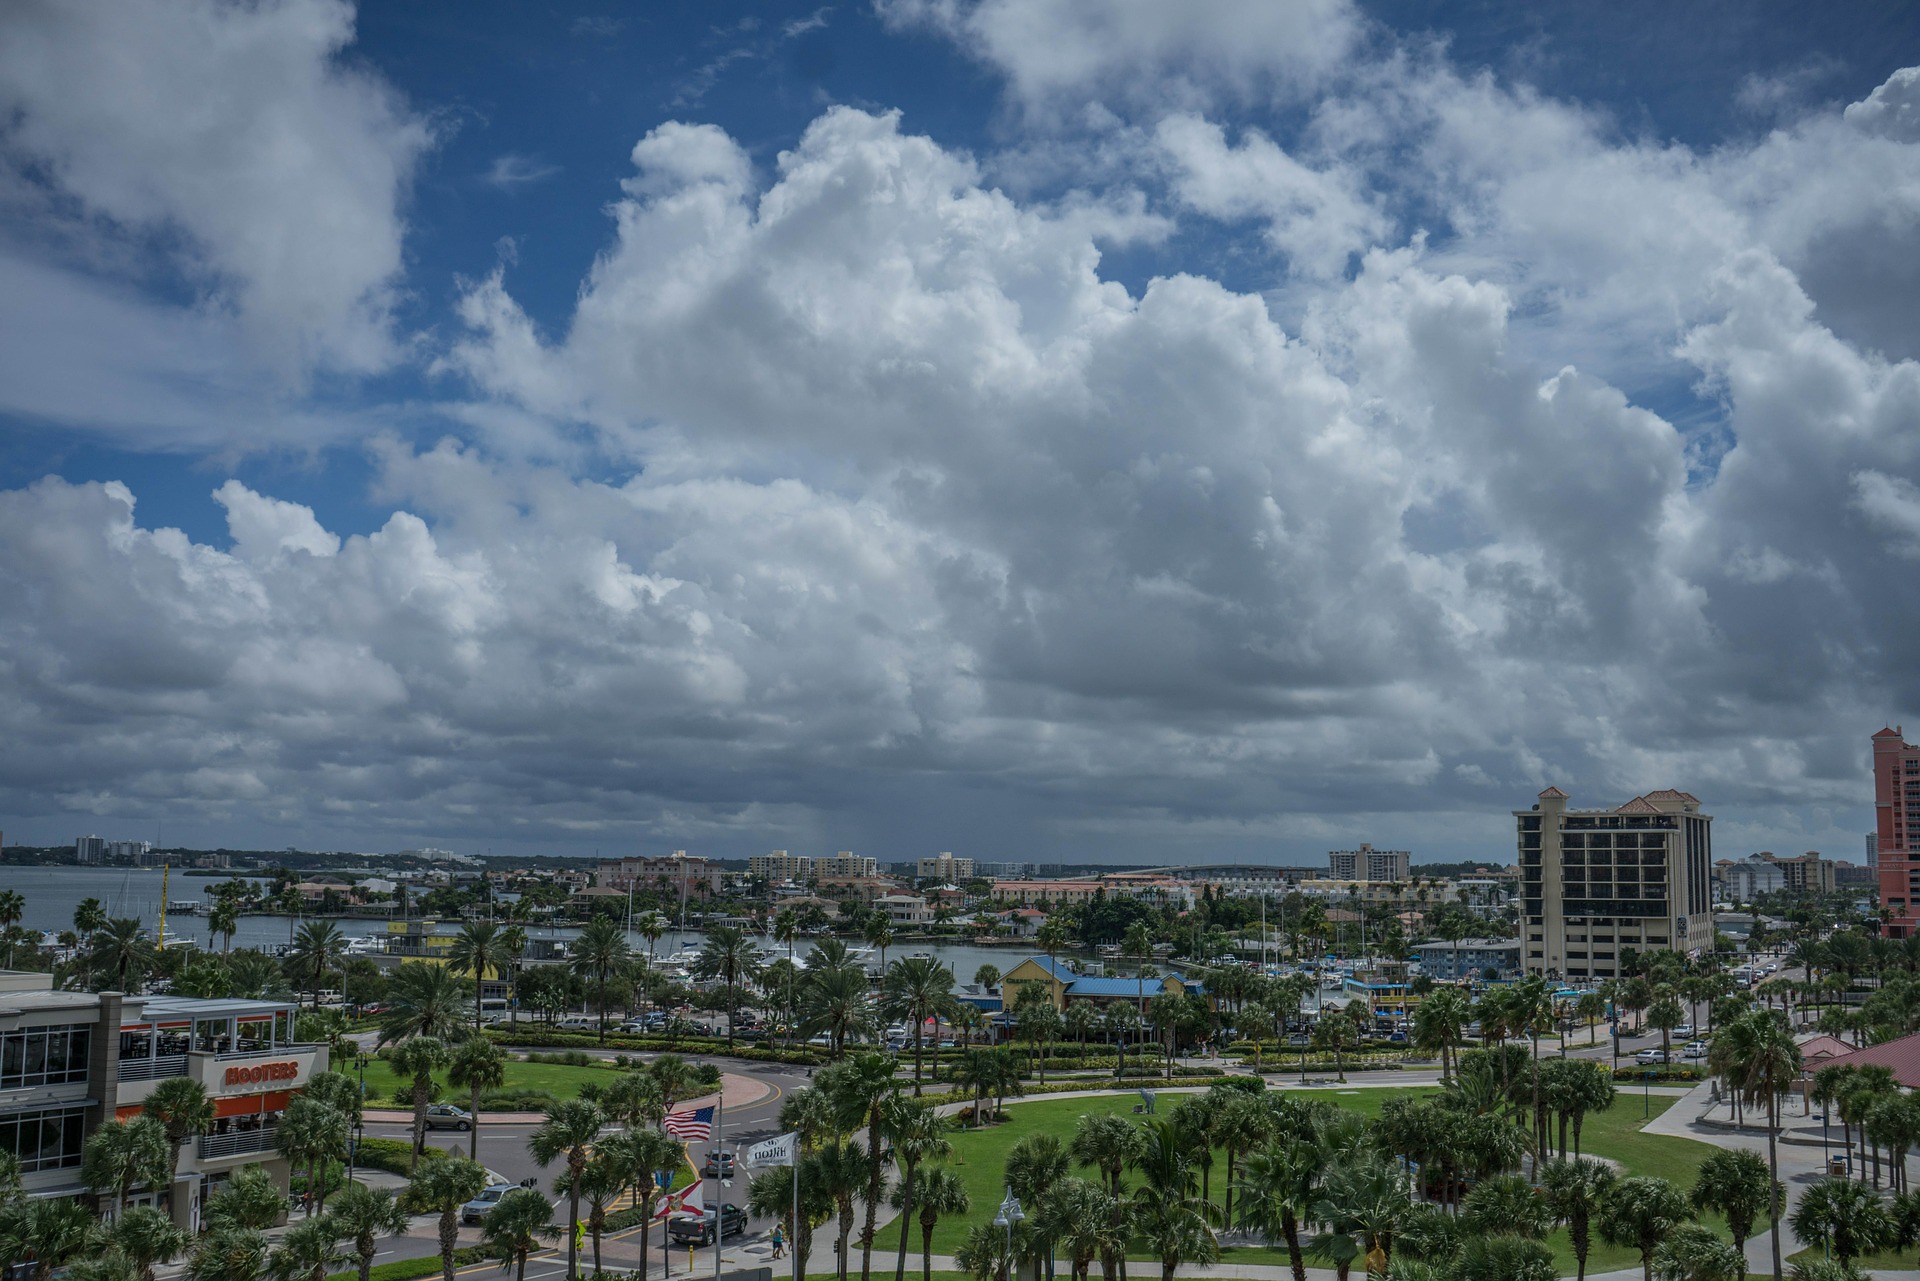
(88, 917)
(419, 1058)
(941, 1192)
(1363, 1201)
(513, 1228)
(365, 1214)
(1844, 1217)
(1639, 1212)
(442, 1187)
(642, 1151)
(1075, 1216)
(478, 951)
(729, 956)
(1695, 1252)
(569, 1131)
(878, 933)
(119, 954)
(1277, 1189)
(48, 1231)
(862, 1091)
(306, 1253)
(319, 947)
(223, 918)
(144, 1238)
(601, 1185)
(1577, 1193)
(182, 1108)
(841, 1172)
(918, 988)
(477, 1065)
(833, 999)
(1736, 1186)
(250, 1200)
(1168, 1209)
(12, 908)
(1439, 1024)
(1765, 1061)
(598, 954)
(919, 1135)
(424, 999)
(513, 948)
(312, 1134)
(229, 1254)
(1034, 1165)
(123, 1155)
(651, 926)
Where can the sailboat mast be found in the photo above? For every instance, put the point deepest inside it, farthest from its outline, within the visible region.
(165, 869)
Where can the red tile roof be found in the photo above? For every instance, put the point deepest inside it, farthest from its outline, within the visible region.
(1553, 793)
(1638, 805)
(1902, 1055)
(1821, 1050)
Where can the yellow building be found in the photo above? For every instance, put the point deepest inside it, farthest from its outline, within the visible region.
(1064, 984)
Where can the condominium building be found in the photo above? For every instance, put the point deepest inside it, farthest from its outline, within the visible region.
(676, 875)
(1594, 883)
(1367, 864)
(779, 866)
(846, 864)
(946, 867)
(89, 849)
(1808, 873)
(1896, 814)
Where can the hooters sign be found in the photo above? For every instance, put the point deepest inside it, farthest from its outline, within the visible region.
(260, 1074)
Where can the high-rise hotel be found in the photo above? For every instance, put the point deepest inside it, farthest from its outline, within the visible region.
(1896, 829)
(1594, 883)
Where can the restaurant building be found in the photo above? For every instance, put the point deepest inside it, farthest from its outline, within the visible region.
(70, 1061)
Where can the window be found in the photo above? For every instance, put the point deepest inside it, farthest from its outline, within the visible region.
(45, 1140)
(43, 1056)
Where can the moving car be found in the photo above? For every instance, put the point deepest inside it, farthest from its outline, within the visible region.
(688, 1230)
(1653, 1054)
(475, 1210)
(1694, 1050)
(445, 1116)
(719, 1165)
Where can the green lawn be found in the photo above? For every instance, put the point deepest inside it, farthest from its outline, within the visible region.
(980, 1157)
(557, 1079)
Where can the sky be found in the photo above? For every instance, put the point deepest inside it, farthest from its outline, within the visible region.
(1049, 430)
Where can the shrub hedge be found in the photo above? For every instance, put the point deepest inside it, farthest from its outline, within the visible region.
(409, 1269)
(391, 1155)
(658, 1045)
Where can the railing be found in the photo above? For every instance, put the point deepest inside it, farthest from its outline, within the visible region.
(215, 1145)
(263, 1051)
(153, 1069)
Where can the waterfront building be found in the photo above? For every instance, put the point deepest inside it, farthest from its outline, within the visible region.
(780, 866)
(945, 867)
(1451, 962)
(695, 877)
(71, 1061)
(89, 849)
(1064, 985)
(1595, 883)
(1368, 864)
(1896, 814)
(846, 864)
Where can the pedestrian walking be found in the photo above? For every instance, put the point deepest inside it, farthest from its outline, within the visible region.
(779, 1242)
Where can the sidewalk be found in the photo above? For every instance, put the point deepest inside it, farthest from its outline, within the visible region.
(737, 1091)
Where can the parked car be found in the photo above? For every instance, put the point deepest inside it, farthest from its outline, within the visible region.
(686, 1229)
(1652, 1054)
(719, 1165)
(577, 1024)
(1684, 1032)
(445, 1116)
(1694, 1050)
(475, 1210)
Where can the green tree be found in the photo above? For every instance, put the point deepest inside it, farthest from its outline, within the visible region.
(123, 1155)
(479, 951)
(312, 1135)
(834, 1000)
(1171, 1215)
(513, 1229)
(318, 948)
(119, 955)
(424, 999)
(248, 1201)
(1277, 1188)
(863, 1092)
(139, 1241)
(569, 1133)
(1735, 1185)
(941, 1193)
(1639, 1212)
(641, 1152)
(1694, 1252)
(1577, 1193)
(917, 990)
(229, 1254)
(476, 1066)
(728, 956)
(182, 1108)
(442, 1187)
(365, 1214)
(840, 1169)
(1764, 1061)
(1844, 1217)
(919, 1135)
(88, 917)
(418, 1058)
(600, 952)
(307, 1252)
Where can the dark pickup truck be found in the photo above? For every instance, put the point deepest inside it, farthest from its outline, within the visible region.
(688, 1230)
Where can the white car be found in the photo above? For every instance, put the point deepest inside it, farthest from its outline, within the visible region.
(1653, 1054)
(1694, 1050)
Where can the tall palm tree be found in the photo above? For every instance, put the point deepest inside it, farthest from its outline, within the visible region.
(1766, 1061)
(919, 1135)
(840, 1169)
(600, 1184)
(418, 1058)
(1735, 1185)
(123, 1155)
(512, 1229)
(478, 951)
(142, 1239)
(1168, 1209)
(250, 1200)
(88, 917)
(569, 1132)
(833, 999)
(598, 954)
(862, 1090)
(1034, 1165)
(364, 1214)
(1278, 1186)
(651, 926)
(313, 1135)
(918, 988)
(477, 1065)
(181, 1106)
(119, 954)
(318, 948)
(513, 945)
(1639, 1212)
(1440, 1023)
(1075, 1216)
(442, 1187)
(1577, 1192)
(729, 956)
(642, 1151)
(942, 1192)
(878, 933)
(223, 918)
(12, 908)
(424, 999)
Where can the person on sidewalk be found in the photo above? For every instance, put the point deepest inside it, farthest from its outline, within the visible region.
(779, 1242)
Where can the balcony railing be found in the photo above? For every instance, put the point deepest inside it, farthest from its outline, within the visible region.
(216, 1145)
(153, 1069)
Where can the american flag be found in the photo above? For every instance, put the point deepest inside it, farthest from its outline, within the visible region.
(694, 1123)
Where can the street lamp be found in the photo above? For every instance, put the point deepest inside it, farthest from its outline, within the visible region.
(1009, 1215)
(359, 1123)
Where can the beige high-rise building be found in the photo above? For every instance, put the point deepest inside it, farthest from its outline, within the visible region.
(1368, 864)
(846, 864)
(780, 866)
(1594, 883)
(946, 867)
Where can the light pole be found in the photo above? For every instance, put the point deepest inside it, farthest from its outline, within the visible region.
(1009, 1215)
(359, 1123)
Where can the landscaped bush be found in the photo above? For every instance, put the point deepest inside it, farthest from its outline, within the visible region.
(391, 1155)
(566, 1058)
(654, 1044)
(524, 1099)
(1670, 1072)
(402, 1095)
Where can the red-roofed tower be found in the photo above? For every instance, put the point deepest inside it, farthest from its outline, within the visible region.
(1896, 829)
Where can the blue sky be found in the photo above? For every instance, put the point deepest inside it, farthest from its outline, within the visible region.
(1030, 426)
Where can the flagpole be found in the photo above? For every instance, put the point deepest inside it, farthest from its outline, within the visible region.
(798, 1227)
(719, 1166)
